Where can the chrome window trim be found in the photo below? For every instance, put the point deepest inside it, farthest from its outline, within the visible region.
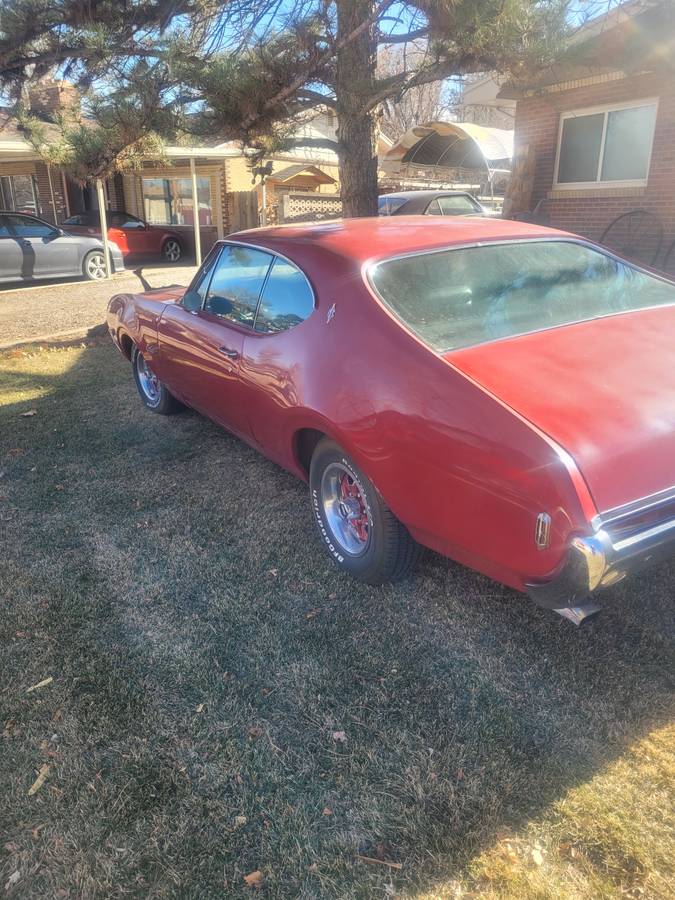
(370, 266)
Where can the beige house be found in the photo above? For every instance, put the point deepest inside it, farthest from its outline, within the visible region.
(162, 192)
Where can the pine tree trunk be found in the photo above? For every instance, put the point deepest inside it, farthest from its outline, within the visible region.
(357, 143)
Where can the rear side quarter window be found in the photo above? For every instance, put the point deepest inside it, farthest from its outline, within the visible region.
(287, 299)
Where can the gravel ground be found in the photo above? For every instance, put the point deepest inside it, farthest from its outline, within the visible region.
(58, 308)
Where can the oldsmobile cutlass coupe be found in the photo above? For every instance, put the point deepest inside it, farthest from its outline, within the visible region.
(497, 391)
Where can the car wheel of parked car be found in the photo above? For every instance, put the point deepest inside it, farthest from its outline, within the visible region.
(358, 530)
(93, 266)
(153, 393)
(171, 250)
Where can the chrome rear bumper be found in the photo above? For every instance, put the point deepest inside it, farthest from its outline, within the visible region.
(599, 560)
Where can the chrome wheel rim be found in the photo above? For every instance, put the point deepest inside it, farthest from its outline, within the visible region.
(346, 509)
(149, 382)
(172, 251)
(96, 266)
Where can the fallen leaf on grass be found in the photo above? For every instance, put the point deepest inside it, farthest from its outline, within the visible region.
(200, 707)
(254, 879)
(255, 731)
(28, 413)
(12, 880)
(312, 614)
(537, 857)
(339, 736)
(327, 811)
(240, 820)
(39, 781)
(40, 684)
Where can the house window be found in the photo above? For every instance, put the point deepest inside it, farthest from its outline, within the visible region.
(168, 201)
(19, 193)
(606, 146)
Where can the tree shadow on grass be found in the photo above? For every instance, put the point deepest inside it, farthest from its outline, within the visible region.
(211, 664)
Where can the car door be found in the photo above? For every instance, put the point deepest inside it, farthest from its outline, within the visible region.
(129, 233)
(46, 251)
(11, 257)
(201, 339)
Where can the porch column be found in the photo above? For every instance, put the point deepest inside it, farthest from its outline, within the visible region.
(51, 191)
(195, 213)
(104, 224)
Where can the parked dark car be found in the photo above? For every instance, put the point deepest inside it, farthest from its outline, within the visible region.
(31, 249)
(431, 203)
(133, 236)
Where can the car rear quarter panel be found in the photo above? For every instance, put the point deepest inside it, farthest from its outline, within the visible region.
(465, 474)
(135, 316)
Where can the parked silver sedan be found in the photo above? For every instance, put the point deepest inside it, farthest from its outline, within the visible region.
(31, 249)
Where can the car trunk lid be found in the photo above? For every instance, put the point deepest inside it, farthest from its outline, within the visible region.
(604, 390)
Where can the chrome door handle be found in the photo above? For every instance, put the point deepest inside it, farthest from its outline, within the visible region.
(231, 354)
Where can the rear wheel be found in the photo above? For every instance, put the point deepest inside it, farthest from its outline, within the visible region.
(93, 266)
(358, 530)
(171, 250)
(153, 393)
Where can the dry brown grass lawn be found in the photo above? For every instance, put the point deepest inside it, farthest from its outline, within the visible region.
(207, 660)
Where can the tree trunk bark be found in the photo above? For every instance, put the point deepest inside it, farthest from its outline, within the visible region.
(356, 132)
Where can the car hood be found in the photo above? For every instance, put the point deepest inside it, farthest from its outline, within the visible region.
(171, 294)
(604, 390)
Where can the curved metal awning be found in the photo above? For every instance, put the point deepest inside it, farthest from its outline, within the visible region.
(452, 145)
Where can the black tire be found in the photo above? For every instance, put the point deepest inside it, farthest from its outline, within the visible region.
(155, 397)
(93, 265)
(172, 251)
(389, 553)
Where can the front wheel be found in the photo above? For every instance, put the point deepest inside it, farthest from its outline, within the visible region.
(356, 527)
(153, 393)
(172, 250)
(93, 266)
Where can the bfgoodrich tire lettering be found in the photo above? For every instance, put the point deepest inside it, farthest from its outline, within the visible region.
(356, 528)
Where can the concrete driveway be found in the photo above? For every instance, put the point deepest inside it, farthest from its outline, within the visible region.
(38, 312)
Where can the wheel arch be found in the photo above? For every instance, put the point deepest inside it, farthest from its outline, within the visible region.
(126, 345)
(305, 441)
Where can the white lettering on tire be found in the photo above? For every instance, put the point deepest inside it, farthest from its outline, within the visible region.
(319, 521)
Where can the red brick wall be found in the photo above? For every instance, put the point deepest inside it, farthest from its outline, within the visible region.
(537, 123)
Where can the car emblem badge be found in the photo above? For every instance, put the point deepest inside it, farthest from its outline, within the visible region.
(331, 314)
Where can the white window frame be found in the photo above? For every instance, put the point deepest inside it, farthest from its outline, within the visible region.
(606, 109)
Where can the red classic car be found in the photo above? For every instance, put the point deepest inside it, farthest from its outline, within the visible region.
(134, 237)
(499, 392)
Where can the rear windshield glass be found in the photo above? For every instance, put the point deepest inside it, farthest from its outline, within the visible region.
(457, 298)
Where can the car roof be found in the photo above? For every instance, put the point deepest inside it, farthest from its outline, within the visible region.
(437, 192)
(364, 239)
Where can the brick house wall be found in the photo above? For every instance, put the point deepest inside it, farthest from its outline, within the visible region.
(589, 211)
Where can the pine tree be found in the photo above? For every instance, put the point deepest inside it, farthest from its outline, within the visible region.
(251, 70)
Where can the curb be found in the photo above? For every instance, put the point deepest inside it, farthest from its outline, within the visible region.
(60, 337)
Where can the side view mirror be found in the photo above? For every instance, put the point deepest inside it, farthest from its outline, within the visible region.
(192, 300)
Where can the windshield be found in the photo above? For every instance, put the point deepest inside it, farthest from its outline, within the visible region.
(457, 298)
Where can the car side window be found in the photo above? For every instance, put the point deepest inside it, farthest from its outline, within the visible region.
(193, 298)
(24, 226)
(4, 228)
(124, 220)
(287, 298)
(236, 284)
(433, 209)
(76, 220)
(458, 205)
